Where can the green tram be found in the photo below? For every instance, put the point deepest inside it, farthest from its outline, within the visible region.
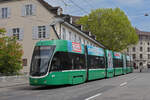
(109, 64)
(129, 64)
(124, 64)
(60, 62)
(117, 63)
(96, 63)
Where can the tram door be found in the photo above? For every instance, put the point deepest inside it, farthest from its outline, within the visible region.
(86, 62)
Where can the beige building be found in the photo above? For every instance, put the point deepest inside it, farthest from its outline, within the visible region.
(35, 20)
(141, 52)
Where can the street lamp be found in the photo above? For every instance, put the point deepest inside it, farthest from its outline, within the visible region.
(146, 14)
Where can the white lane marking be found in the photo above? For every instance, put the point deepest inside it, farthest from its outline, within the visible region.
(93, 96)
(123, 84)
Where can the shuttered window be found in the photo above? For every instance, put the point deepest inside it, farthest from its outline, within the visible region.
(64, 34)
(18, 33)
(75, 38)
(80, 40)
(70, 36)
(41, 32)
(4, 12)
(24, 62)
(28, 10)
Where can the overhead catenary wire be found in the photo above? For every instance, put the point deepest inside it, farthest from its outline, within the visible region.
(78, 6)
(67, 4)
(92, 7)
(64, 3)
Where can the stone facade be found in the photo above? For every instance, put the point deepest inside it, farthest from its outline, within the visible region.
(141, 52)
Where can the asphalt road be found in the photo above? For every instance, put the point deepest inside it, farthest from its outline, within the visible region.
(134, 86)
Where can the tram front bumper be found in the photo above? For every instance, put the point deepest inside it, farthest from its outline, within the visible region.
(38, 81)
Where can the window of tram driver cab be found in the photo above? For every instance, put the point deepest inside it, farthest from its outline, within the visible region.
(55, 63)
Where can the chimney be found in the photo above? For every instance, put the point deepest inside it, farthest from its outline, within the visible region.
(59, 11)
(70, 20)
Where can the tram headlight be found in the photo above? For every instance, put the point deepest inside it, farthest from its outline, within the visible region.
(35, 81)
(45, 81)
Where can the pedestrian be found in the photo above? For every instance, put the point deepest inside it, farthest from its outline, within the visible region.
(141, 68)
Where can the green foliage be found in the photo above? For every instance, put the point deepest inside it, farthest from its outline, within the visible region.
(112, 28)
(10, 54)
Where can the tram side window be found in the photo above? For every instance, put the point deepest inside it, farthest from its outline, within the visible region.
(121, 62)
(60, 63)
(117, 63)
(96, 62)
(78, 61)
(128, 64)
(67, 61)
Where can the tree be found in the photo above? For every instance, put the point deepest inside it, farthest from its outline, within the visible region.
(112, 28)
(10, 54)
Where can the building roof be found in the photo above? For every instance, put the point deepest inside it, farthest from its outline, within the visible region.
(139, 32)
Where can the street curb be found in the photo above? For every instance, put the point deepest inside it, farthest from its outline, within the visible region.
(13, 85)
(13, 78)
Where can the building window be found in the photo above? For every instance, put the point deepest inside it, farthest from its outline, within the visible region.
(70, 36)
(87, 42)
(133, 49)
(148, 56)
(24, 62)
(67, 37)
(41, 32)
(64, 34)
(141, 49)
(148, 43)
(29, 10)
(4, 13)
(140, 64)
(83, 41)
(141, 56)
(134, 56)
(16, 32)
(148, 49)
(80, 39)
(75, 38)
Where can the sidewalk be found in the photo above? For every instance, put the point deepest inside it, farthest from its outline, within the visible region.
(8, 81)
(143, 71)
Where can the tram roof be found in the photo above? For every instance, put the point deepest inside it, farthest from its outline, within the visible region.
(68, 46)
(63, 46)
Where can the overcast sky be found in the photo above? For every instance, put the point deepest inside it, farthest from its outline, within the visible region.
(134, 9)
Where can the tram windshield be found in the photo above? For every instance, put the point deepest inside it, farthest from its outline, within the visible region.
(40, 60)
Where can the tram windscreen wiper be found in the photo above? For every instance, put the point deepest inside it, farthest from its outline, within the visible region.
(40, 60)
